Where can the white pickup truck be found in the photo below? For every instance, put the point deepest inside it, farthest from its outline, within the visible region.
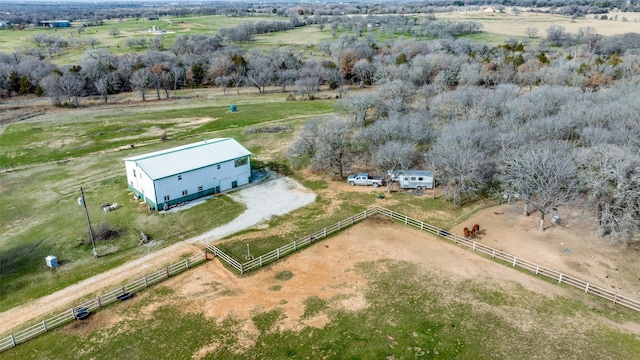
(365, 179)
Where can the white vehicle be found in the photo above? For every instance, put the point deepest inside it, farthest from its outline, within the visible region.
(365, 179)
(413, 179)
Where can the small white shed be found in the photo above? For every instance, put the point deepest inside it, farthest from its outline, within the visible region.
(185, 173)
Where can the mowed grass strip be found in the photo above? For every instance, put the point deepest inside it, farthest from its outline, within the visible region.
(410, 314)
(36, 142)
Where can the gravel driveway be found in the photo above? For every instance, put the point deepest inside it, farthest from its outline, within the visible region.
(273, 197)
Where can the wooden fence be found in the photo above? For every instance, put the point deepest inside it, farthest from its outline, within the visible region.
(291, 247)
(474, 246)
(100, 301)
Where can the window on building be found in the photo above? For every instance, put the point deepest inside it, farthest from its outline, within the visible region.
(413, 178)
(185, 192)
(199, 188)
(134, 172)
(218, 166)
(166, 198)
(242, 161)
(179, 177)
(420, 179)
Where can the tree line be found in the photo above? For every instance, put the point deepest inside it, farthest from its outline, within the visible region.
(549, 124)
(31, 13)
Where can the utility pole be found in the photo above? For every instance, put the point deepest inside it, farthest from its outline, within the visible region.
(83, 203)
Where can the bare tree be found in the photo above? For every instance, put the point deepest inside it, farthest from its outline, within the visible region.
(531, 31)
(71, 85)
(357, 105)
(544, 175)
(177, 74)
(51, 88)
(91, 41)
(327, 144)
(102, 87)
(611, 176)
(363, 72)
(333, 146)
(140, 79)
(114, 31)
(393, 156)
(304, 145)
(260, 71)
(460, 157)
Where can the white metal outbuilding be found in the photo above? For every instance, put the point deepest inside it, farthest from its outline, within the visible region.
(184, 173)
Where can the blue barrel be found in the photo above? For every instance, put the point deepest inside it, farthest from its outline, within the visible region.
(233, 108)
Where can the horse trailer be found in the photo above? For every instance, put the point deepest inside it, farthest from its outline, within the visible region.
(413, 179)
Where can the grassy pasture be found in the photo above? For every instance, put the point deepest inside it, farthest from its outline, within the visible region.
(40, 215)
(497, 27)
(410, 314)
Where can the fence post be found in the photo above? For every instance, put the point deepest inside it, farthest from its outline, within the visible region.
(494, 253)
(586, 289)
(352, 220)
(73, 313)
(44, 325)
(474, 246)
(338, 225)
(365, 214)
(421, 226)
(514, 260)
(186, 261)
(278, 252)
(560, 278)
(294, 246)
(261, 261)
(146, 284)
(99, 302)
(406, 219)
(167, 271)
(13, 341)
(615, 298)
(537, 269)
(325, 232)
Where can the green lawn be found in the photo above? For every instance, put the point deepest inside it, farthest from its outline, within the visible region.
(409, 314)
(38, 203)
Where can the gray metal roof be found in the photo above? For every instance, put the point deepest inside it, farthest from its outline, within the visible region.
(178, 160)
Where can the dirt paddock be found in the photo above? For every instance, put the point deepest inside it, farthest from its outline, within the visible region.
(326, 269)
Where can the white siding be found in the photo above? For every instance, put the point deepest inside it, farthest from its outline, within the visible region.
(186, 185)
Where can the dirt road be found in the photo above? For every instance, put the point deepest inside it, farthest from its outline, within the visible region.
(271, 198)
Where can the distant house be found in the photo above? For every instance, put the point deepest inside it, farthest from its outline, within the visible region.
(55, 23)
(488, 9)
(185, 173)
(3, 24)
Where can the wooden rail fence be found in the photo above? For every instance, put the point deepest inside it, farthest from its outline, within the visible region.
(100, 301)
(474, 246)
(289, 248)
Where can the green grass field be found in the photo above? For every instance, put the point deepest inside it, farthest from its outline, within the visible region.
(40, 215)
(410, 314)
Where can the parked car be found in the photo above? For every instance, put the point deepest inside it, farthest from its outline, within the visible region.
(365, 179)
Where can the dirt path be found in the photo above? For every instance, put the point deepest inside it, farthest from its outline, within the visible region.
(274, 197)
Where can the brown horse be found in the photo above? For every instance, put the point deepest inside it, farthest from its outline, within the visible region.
(475, 229)
(467, 233)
